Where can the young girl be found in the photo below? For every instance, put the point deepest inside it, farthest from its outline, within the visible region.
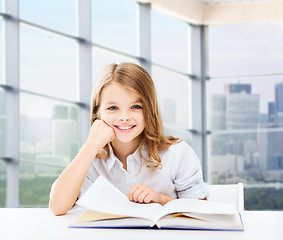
(127, 146)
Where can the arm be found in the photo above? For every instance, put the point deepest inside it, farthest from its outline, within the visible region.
(142, 193)
(69, 183)
(188, 176)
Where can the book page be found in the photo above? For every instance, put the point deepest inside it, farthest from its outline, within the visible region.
(91, 215)
(196, 206)
(102, 196)
(205, 221)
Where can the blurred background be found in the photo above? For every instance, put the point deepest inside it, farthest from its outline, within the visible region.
(217, 67)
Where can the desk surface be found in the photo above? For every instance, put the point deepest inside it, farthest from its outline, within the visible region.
(40, 223)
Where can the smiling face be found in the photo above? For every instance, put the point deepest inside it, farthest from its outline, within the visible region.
(122, 109)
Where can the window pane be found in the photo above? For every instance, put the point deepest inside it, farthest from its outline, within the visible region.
(114, 24)
(57, 15)
(35, 182)
(170, 42)
(1, 6)
(2, 184)
(255, 158)
(246, 120)
(48, 64)
(245, 49)
(102, 58)
(246, 103)
(1, 51)
(48, 131)
(180, 133)
(173, 91)
(2, 123)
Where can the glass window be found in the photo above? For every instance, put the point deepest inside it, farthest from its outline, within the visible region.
(246, 120)
(245, 49)
(48, 131)
(49, 140)
(101, 58)
(35, 182)
(57, 15)
(114, 24)
(1, 51)
(173, 91)
(48, 64)
(2, 184)
(170, 42)
(246, 103)
(1, 6)
(2, 149)
(2, 123)
(252, 157)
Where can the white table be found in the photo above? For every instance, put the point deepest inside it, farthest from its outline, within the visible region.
(41, 224)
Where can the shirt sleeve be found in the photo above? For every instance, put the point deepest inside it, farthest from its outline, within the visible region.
(91, 176)
(188, 179)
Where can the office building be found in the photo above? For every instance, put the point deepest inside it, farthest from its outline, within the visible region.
(279, 97)
(218, 111)
(227, 163)
(239, 88)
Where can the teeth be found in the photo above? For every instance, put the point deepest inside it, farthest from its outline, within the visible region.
(125, 128)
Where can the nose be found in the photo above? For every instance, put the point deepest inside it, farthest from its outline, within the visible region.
(125, 117)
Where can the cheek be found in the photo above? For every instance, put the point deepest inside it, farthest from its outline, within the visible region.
(141, 119)
(106, 117)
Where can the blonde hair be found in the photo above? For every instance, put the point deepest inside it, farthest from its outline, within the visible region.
(136, 79)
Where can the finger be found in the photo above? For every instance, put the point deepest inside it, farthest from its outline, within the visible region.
(107, 123)
(131, 191)
(138, 191)
(142, 196)
(148, 198)
(114, 134)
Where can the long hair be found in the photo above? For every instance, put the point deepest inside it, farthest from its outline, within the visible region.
(136, 79)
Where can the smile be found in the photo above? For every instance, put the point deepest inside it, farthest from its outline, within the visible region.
(125, 128)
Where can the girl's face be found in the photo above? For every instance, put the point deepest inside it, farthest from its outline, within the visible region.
(122, 109)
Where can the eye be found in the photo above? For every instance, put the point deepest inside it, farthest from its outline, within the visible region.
(112, 108)
(136, 107)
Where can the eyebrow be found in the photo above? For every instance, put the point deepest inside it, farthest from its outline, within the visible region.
(114, 103)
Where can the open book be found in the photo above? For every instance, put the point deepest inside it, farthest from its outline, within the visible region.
(108, 207)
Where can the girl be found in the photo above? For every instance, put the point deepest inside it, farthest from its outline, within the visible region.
(127, 146)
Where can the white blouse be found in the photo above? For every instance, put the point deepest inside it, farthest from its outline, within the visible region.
(179, 177)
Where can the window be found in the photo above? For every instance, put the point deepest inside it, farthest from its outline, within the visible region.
(46, 61)
(53, 14)
(173, 92)
(1, 51)
(2, 184)
(48, 142)
(2, 149)
(170, 42)
(101, 58)
(256, 49)
(114, 24)
(2, 122)
(170, 57)
(246, 110)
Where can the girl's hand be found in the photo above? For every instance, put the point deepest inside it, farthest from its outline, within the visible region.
(100, 134)
(142, 193)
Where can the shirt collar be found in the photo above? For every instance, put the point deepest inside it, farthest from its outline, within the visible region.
(112, 158)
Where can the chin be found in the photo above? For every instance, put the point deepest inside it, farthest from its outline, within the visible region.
(125, 140)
